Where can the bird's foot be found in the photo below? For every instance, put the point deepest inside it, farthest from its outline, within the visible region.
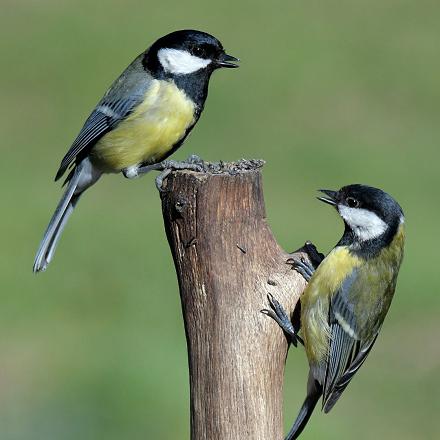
(279, 315)
(302, 266)
(196, 160)
(306, 267)
(193, 163)
(161, 177)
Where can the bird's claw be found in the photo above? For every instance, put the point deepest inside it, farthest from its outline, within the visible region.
(161, 177)
(279, 315)
(196, 160)
(305, 267)
(302, 266)
(193, 163)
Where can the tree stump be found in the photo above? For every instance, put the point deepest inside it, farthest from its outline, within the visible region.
(227, 262)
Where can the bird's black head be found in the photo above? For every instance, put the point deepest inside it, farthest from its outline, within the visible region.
(368, 213)
(186, 52)
(187, 58)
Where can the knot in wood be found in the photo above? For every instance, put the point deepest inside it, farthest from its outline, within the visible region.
(180, 205)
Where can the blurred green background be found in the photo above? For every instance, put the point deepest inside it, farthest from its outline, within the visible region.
(329, 93)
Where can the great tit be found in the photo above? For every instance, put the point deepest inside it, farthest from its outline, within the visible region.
(143, 117)
(348, 294)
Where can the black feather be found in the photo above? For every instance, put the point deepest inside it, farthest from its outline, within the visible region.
(348, 349)
(342, 383)
(314, 393)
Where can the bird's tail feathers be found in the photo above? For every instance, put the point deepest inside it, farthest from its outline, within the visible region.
(314, 393)
(81, 178)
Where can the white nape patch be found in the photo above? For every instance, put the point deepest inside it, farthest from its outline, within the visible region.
(365, 224)
(180, 62)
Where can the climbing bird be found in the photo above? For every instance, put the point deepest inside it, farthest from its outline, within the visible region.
(348, 294)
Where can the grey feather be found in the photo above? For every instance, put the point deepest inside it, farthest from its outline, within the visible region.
(345, 379)
(53, 229)
(124, 95)
(83, 176)
(347, 349)
(95, 126)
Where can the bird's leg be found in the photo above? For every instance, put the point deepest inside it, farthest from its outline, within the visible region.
(193, 163)
(304, 267)
(279, 315)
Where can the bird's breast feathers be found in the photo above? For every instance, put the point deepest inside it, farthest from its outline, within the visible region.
(315, 300)
(149, 132)
(371, 289)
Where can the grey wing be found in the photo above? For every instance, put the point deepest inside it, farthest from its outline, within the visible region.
(347, 350)
(338, 388)
(118, 102)
(103, 119)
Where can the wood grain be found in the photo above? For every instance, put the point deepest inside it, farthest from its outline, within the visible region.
(227, 261)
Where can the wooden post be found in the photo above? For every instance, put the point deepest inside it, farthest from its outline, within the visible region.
(227, 261)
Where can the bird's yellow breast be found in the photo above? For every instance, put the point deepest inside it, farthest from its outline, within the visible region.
(326, 280)
(149, 132)
(372, 290)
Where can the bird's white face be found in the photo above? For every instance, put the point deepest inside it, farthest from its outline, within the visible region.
(180, 62)
(365, 224)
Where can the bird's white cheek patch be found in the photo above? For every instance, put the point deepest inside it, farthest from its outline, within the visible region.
(365, 224)
(180, 62)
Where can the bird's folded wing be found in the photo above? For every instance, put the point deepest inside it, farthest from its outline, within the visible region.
(348, 349)
(104, 118)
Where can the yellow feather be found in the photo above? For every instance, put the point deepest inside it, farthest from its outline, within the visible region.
(380, 272)
(326, 280)
(147, 134)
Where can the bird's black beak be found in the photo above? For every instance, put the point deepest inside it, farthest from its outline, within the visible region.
(224, 60)
(331, 196)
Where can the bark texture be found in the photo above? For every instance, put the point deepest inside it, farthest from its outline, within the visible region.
(227, 261)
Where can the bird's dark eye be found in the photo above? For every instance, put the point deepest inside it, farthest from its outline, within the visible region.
(198, 51)
(352, 202)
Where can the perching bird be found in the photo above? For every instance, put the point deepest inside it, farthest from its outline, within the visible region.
(143, 118)
(348, 295)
